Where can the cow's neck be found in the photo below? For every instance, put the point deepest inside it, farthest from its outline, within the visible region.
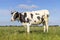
(21, 18)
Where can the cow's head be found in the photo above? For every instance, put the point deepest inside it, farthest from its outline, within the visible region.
(15, 15)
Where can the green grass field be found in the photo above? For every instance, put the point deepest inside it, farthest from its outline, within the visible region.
(36, 33)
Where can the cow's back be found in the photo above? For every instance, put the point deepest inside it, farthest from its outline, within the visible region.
(35, 16)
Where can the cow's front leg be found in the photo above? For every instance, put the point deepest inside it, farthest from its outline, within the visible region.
(28, 28)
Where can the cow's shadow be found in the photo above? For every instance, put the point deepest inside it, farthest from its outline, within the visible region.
(33, 31)
(36, 31)
(20, 31)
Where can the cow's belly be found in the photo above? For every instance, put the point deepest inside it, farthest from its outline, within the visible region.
(36, 22)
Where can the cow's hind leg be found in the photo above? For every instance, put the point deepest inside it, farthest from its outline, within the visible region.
(44, 26)
(45, 22)
(47, 26)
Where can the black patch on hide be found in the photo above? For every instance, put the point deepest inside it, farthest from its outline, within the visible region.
(38, 17)
(31, 15)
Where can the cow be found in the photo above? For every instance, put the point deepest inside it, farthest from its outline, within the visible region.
(32, 17)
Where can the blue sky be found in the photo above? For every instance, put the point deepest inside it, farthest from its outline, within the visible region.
(6, 6)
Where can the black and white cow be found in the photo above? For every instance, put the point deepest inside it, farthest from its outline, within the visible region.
(33, 17)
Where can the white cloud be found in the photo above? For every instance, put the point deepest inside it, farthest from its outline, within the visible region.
(24, 6)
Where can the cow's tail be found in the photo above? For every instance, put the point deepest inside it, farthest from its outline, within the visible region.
(47, 15)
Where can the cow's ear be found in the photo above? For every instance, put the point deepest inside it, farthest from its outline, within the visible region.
(17, 12)
(11, 13)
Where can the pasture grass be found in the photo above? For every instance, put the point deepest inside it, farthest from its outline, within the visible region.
(36, 33)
